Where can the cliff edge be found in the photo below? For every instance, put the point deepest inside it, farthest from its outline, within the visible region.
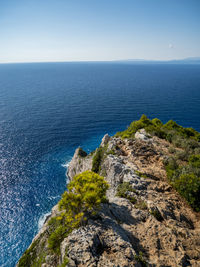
(145, 221)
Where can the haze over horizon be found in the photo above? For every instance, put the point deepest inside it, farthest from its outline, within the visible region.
(64, 30)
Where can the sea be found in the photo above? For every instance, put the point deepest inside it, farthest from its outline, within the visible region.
(47, 110)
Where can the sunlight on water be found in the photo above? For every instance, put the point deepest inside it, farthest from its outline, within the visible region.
(48, 110)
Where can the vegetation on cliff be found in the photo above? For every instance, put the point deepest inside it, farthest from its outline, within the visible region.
(85, 193)
(137, 176)
(83, 198)
(170, 131)
(183, 167)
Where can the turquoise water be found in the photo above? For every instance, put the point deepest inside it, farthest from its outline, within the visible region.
(48, 109)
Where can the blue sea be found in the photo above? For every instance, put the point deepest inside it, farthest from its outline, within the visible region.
(47, 110)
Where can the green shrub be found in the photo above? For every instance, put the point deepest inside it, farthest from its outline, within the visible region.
(170, 131)
(98, 159)
(172, 150)
(33, 256)
(64, 264)
(134, 127)
(141, 204)
(141, 174)
(157, 122)
(194, 160)
(171, 164)
(29, 256)
(182, 155)
(185, 177)
(124, 189)
(188, 185)
(57, 237)
(85, 194)
(186, 180)
(139, 258)
(156, 213)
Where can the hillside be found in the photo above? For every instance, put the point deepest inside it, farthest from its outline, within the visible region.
(150, 216)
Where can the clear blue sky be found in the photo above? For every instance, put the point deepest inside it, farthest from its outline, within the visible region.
(77, 30)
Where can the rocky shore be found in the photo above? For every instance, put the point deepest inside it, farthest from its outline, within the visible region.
(147, 223)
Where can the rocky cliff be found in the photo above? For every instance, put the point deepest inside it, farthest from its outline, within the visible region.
(145, 222)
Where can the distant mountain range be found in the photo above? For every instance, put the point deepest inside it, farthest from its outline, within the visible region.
(190, 60)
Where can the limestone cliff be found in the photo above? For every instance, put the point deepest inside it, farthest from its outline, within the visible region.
(149, 225)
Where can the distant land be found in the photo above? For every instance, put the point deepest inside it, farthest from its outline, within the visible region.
(190, 60)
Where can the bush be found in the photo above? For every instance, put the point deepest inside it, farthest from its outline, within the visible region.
(181, 155)
(171, 164)
(156, 213)
(170, 131)
(139, 258)
(34, 255)
(97, 159)
(134, 127)
(141, 204)
(157, 122)
(29, 256)
(184, 177)
(85, 194)
(124, 190)
(188, 185)
(194, 160)
(172, 150)
(57, 237)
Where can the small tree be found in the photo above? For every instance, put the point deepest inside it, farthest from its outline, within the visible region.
(85, 194)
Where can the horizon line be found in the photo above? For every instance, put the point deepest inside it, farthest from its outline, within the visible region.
(113, 60)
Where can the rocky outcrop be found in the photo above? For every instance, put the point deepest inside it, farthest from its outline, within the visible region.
(79, 163)
(151, 226)
(159, 226)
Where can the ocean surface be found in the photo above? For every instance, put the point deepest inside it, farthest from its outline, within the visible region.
(47, 110)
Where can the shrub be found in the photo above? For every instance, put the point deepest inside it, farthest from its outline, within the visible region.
(141, 204)
(172, 150)
(57, 236)
(139, 258)
(29, 255)
(65, 262)
(134, 127)
(170, 131)
(194, 160)
(156, 213)
(184, 178)
(85, 194)
(157, 122)
(141, 174)
(98, 158)
(34, 255)
(124, 190)
(171, 164)
(188, 185)
(181, 155)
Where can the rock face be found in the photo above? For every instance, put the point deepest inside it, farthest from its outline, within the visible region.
(156, 229)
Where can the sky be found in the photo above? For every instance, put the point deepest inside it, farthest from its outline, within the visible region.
(98, 30)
